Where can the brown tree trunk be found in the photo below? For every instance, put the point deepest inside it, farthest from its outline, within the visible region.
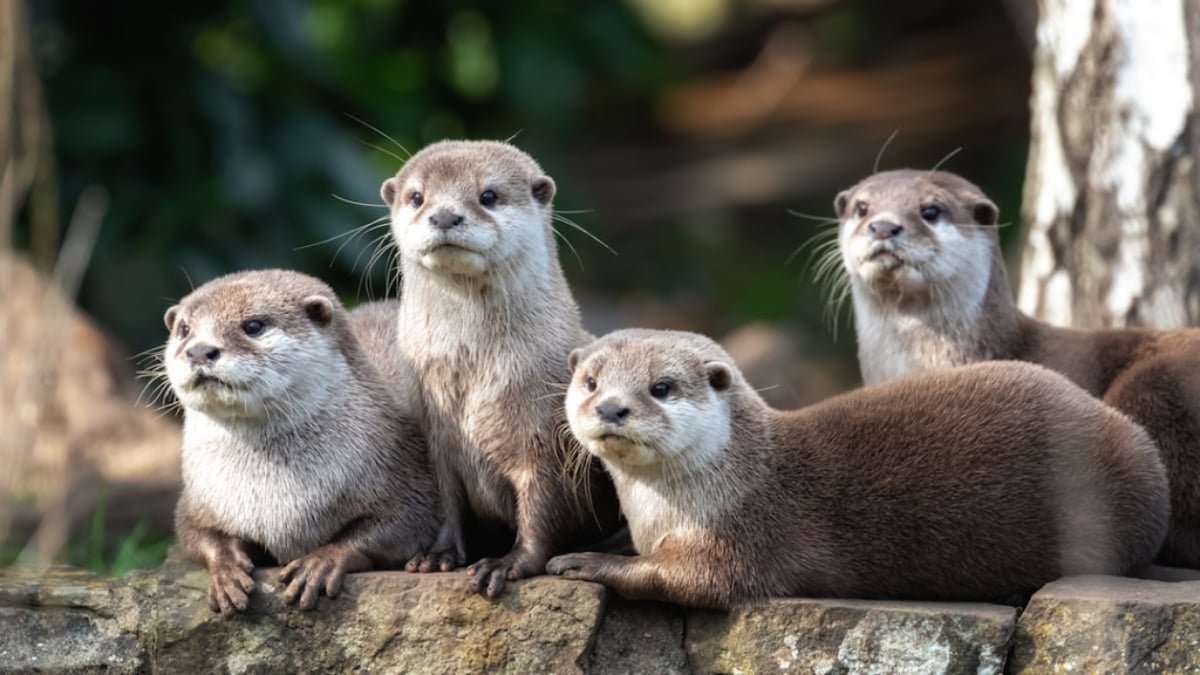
(1112, 193)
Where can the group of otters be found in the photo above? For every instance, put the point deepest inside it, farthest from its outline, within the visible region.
(400, 434)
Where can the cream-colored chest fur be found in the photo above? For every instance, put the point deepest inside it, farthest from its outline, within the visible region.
(284, 505)
(654, 509)
(894, 343)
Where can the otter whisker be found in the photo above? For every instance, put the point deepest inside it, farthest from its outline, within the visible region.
(376, 130)
(571, 223)
(571, 246)
(879, 156)
(820, 220)
(369, 205)
(382, 149)
(946, 159)
(818, 237)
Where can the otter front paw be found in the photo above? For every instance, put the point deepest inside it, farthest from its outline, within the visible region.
(434, 561)
(324, 568)
(580, 566)
(490, 574)
(230, 583)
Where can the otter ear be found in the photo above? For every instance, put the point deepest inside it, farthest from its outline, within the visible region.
(388, 191)
(573, 358)
(318, 308)
(170, 316)
(719, 375)
(543, 189)
(840, 202)
(986, 212)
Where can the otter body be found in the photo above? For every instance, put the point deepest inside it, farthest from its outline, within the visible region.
(292, 442)
(488, 323)
(930, 292)
(977, 484)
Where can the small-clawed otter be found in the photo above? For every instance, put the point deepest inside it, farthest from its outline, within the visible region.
(292, 442)
(981, 483)
(930, 291)
(488, 321)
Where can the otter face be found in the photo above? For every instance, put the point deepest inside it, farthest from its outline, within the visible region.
(641, 400)
(909, 230)
(462, 207)
(252, 345)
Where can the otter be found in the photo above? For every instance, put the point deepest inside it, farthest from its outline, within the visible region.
(975, 484)
(293, 445)
(930, 291)
(488, 321)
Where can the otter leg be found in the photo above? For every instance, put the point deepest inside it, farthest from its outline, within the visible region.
(540, 516)
(226, 559)
(449, 551)
(354, 549)
(677, 576)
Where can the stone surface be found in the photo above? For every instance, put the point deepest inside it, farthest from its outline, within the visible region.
(640, 637)
(157, 621)
(65, 620)
(1096, 624)
(851, 636)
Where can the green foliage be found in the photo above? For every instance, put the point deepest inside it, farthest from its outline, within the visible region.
(222, 129)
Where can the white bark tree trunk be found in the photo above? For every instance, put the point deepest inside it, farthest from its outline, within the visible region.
(1112, 192)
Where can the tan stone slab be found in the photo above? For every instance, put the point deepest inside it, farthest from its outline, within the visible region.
(383, 622)
(855, 636)
(1096, 624)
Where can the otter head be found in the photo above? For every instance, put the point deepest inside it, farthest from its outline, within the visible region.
(906, 231)
(465, 207)
(645, 399)
(254, 344)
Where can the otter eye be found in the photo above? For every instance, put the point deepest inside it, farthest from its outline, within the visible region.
(254, 327)
(860, 209)
(931, 213)
(660, 390)
(416, 199)
(590, 383)
(488, 198)
(184, 330)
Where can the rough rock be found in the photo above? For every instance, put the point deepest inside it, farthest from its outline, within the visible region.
(157, 621)
(1094, 624)
(851, 636)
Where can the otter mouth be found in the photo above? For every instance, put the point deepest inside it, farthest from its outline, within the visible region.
(884, 256)
(203, 380)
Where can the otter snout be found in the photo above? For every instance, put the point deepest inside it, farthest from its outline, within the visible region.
(884, 229)
(611, 412)
(202, 354)
(445, 220)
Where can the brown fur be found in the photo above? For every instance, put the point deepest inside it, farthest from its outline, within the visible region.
(487, 325)
(359, 441)
(1153, 376)
(976, 484)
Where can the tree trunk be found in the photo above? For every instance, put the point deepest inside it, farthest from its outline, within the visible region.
(1112, 193)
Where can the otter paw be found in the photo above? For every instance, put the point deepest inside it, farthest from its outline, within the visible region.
(433, 561)
(230, 585)
(580, 566)
(305, 577)
(490, 574)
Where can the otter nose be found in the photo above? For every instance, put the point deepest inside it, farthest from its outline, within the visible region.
(202, 354)
(613, 413)
(444, 220)
(883, 229)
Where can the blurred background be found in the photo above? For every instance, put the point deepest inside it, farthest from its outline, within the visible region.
(159, 145)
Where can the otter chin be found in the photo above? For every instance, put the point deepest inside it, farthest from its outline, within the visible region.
(982, 483)
(454, 259)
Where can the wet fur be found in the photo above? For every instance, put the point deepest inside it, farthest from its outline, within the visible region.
(312, 459)
(979, 484)
(969, 316)
(488, 328)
